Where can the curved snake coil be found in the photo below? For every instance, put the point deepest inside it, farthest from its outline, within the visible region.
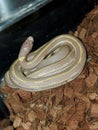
(57, 62)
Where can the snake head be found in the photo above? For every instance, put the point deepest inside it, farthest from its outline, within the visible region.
(25, 48)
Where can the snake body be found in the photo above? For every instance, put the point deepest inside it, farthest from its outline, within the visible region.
(57, 62)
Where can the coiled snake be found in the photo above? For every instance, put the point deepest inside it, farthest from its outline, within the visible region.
(55, 63)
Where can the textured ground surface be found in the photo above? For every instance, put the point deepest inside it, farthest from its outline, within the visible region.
(73, 106)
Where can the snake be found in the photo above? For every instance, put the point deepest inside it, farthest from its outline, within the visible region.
(57, 62)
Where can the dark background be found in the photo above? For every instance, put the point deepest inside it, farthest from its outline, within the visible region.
(58, 17)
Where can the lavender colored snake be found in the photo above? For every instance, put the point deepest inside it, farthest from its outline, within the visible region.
(57, 62)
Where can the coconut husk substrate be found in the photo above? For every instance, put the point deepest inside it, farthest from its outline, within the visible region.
(73, 106)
